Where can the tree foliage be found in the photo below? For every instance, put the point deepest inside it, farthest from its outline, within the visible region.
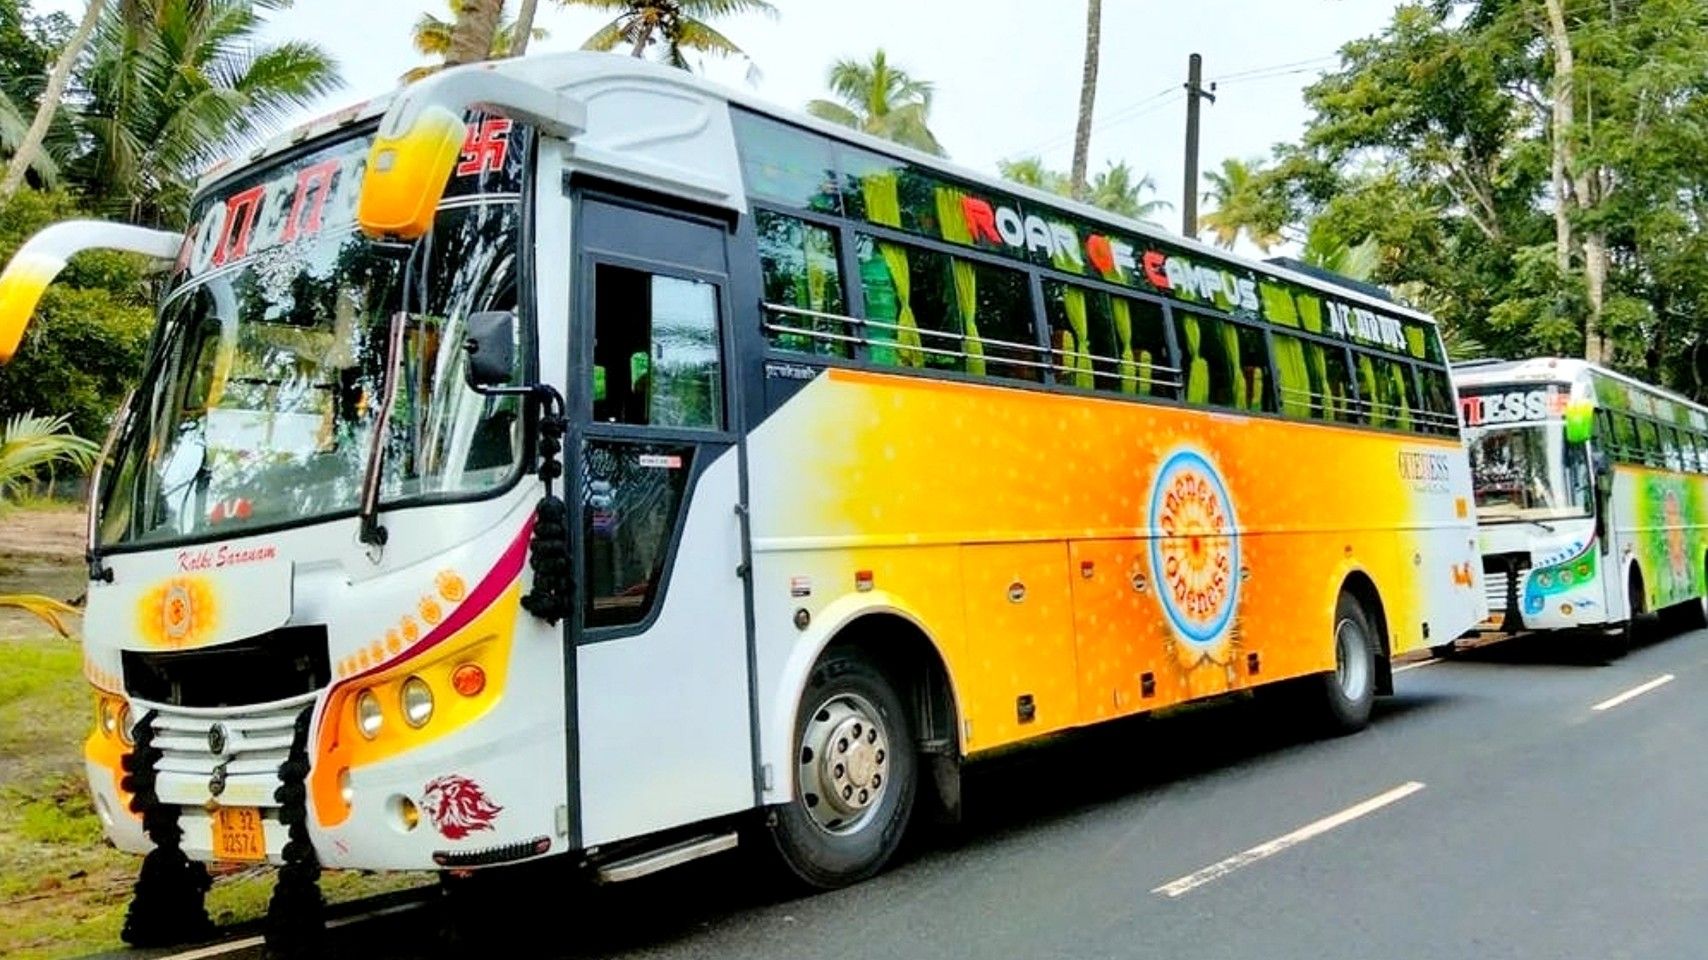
(1521, 226)
(1115, 188)
(882, 99)
(673, 26)
(85, 348)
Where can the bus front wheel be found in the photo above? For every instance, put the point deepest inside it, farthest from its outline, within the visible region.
(1344, 696)
(855, 775)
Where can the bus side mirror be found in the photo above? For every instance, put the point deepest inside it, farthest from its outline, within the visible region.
(1580, 420)
(491, 347)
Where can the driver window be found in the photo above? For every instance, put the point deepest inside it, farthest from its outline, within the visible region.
(657, 359)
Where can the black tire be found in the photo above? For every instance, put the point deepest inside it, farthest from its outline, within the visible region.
(1622, 639)
(1342, 697)
(824, 844)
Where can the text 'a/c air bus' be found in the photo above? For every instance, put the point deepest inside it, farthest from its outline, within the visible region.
(867, 466)
(1591, 494)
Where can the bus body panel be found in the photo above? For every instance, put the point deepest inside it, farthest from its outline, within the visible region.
(870, 463)
(1660, 523)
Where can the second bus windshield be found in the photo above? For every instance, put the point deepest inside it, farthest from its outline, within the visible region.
(1528, 472)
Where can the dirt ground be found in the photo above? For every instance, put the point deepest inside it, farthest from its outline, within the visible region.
(41, 551)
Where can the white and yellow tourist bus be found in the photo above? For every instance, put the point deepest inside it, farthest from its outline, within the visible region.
(568, 456)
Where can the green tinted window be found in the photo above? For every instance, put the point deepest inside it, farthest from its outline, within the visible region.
(800, 270)
(785, 164)
(1437, 402)
(1649, 442)
(996, 312)
(1226, 363)
(911, 313)
(1110, 343)
(1312, 381)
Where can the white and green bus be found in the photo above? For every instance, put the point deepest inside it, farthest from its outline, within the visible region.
(1591, 495)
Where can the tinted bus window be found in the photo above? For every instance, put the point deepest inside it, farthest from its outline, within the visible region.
(912, 317)
(1312, 381)
(800, 269)
(1437, 396)
(785, 164)
(1227, 364)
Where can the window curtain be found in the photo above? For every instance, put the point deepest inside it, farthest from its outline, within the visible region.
(952, 220)
(1198, 368)
(1397, 384)
(1290, 365)
(1079, 361)
(1415, 340)
(1373, 406)
(1229, 335)
(883, 206)
(1132, 379)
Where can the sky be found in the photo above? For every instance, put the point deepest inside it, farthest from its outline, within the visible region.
(1006, 72)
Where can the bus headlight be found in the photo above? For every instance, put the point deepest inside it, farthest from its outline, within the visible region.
(368, 715)
(108, 716)
(126, 733)
(417, 701)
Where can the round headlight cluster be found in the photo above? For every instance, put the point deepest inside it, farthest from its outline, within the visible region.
(368, 714)
(417, 701)
(126, 734)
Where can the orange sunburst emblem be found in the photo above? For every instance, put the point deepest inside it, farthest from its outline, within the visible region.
(1195, 548)
(181, 612)
(451, 586)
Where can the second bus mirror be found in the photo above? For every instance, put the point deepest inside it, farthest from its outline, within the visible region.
(1580, 420)
(491, 346)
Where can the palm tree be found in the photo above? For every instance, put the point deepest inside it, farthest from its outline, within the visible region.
(13, 129)
(30, 444)
(1115, 190)
(1087, 96)
(1355, 261)
(523, 30)
(679, 24)
(474, 30)
(175, 84)
(1031, 172)
(433, 37)
(880, 99)
(1240, 207)
(28, 150)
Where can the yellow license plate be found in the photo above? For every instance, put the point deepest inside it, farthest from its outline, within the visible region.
(237, 834)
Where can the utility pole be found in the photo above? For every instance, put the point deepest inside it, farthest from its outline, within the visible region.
(1194, 93)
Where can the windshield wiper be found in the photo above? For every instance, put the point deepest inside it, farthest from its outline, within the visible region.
(372, 533)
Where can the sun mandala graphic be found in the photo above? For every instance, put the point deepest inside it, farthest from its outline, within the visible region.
(1195, 551)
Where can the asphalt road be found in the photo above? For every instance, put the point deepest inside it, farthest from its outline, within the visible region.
(1490, 811)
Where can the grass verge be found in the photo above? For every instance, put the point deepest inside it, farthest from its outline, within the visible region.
(63, 888)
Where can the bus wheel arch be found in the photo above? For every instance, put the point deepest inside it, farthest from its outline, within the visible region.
(872, 728)
(1358, 584)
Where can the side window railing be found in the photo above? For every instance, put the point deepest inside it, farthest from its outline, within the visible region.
(886, 336)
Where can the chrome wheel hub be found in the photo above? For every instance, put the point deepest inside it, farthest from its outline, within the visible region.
(844, 763)
(1351, 660)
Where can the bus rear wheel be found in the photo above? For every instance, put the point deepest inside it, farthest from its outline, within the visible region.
(1343, 697)
(855, 775)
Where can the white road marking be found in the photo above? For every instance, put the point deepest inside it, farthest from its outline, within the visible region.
(1418, 665)
(1218, 870)
(1634, 692)
(232, 946)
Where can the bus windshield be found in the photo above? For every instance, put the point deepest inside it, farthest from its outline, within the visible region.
(265, 382)
(1528, 472)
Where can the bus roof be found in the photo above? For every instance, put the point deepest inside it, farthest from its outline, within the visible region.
(1558, 370)
(569, 70)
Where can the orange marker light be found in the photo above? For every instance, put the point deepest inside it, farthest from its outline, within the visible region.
(468, 679)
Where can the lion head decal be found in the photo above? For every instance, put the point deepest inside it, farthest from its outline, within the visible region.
(458, 806)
